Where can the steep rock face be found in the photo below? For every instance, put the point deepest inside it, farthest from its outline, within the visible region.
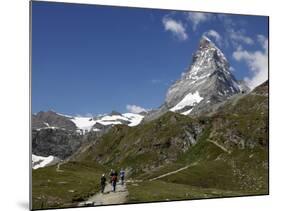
(207, 81)
(55, 142)
(60, 135)
(52, 119)
(37, 123)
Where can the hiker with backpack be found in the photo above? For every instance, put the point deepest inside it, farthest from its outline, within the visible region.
(102, 182)
(122, 176)
(114, 180)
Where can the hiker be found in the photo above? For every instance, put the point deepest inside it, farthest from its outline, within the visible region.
(114, 180)
(122, 176)
(110, 177)
(102, 182)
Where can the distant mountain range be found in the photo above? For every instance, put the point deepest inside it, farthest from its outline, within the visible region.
(51, 119)
(59, 135)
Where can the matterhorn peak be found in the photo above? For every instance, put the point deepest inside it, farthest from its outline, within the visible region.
(207, 81)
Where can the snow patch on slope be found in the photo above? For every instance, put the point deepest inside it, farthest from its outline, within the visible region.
(113, 118)
(83, 123)
(189, 100)
(186, 112)
(40, 161)
(49, 127)
(135, 119)
(87, 123)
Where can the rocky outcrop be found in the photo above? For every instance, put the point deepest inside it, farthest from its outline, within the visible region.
(56, 142)
(52, 119)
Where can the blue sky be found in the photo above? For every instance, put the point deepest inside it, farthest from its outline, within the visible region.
(89, 59)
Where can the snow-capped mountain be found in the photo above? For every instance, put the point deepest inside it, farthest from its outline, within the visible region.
(57, 136)
(53, 120)
(98, 123)
(207, 81)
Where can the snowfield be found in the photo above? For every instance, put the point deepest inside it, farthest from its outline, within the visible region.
(87, 123)
(190, 99)
(83, 123)
(40, 161)
(135, 119)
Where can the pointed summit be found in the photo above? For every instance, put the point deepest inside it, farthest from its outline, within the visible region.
(207, 81)
(207, 59)
(205, 41)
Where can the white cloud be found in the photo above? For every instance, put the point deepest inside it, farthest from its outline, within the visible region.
(234, 36)
(176, 27)
(135, 109)
(198, 17)
(263, 41)
(257, 61)
(239, 36)
(215, 35)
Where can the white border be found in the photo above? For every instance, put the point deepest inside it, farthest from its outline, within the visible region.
(14, 116)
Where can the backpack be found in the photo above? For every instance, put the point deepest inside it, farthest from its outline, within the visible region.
(114, 178)
(103, 180)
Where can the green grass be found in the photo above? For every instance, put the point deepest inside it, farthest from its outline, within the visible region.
(77, 182)
(237, 174)
(243, 170)
(149, 144)
(202, 150)
(165, 191)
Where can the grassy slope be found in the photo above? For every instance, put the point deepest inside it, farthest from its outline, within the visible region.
(150, 144)
(159, 190)
(242, 128)
(64, 189)
(240, 173)
(237, 174)
(229, 172)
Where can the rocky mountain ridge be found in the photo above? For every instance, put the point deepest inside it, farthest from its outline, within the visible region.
(51, 119)
(55, 134)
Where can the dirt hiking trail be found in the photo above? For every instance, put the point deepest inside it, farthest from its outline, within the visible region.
(108, 197)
